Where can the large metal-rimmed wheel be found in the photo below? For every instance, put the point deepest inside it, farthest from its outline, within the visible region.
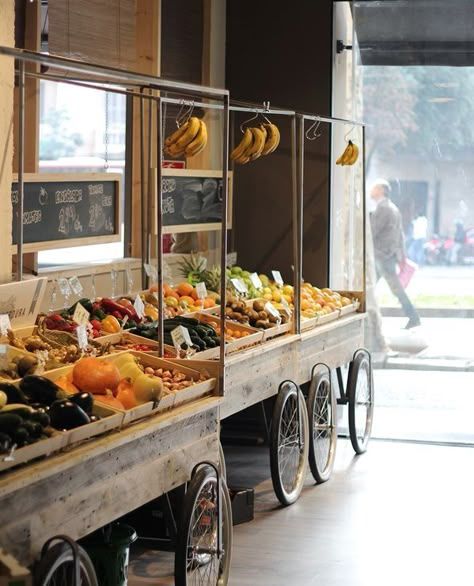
(289, 443)
(56, 567)
(197, 559)
(321, 405)
(360, 393)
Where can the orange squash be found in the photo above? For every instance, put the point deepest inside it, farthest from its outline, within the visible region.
(109, 400)
(65, 383)
(95, 376)
(125, 394)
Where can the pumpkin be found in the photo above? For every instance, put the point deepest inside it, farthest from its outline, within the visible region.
(65, 383)
(109, 400)
(126, 394)
(95, 376)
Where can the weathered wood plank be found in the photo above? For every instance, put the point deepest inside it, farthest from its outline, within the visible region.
(84, 489)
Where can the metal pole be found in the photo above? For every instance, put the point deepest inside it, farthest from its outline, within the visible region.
(295, 231)
(299, 218)
(364, 227)
(21, 168)
(149, 190)
(159, 224)
(142, 193)
(225, 184)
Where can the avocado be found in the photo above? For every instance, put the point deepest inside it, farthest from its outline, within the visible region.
(66, 415)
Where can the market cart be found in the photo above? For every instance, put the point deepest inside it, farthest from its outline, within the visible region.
(95, 481)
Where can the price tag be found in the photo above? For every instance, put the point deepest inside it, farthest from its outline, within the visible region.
(201, 290)
(180, 335)
(82, 340)
(277, 278)
(256, 282)
(64, 286)
(271, 309)
(151, 272)
(286, 306)
(3, 356)
(139, 306)
(124, 321)
(75, 285)
(5, 324)
(239, 285)
(81, 315)
(231, 259)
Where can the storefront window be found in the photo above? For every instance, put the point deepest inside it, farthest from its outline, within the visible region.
(82, 130)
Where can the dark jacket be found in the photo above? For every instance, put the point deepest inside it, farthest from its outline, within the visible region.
(387, 231)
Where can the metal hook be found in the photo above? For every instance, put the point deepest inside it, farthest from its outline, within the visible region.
(316, 124)
(266, 108)
(183, 117)
(349, 131)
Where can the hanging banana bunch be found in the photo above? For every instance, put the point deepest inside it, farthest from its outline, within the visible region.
(350, 154)
(255, 142)
(189, 140)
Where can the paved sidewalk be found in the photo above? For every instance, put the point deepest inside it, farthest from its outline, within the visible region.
(438, 344)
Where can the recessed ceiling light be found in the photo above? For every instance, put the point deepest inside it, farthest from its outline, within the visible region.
(440, 100)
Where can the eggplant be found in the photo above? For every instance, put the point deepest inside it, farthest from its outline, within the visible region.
(94, 418)
(41, 416)
(65, 414)
(40, 389)
(84, 400)
(14, 394)
(5, 443)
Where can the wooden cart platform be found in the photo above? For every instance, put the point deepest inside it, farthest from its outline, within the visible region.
(94, 483)
(255, 374)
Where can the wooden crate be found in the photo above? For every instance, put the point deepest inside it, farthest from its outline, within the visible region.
(255, 336)
(39, 449)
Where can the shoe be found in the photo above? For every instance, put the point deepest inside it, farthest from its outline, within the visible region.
(413, 322)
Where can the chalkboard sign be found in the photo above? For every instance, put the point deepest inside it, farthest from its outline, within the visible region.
(63, 210)
(192, 200)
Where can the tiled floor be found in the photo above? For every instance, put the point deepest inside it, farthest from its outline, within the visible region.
(402, 514)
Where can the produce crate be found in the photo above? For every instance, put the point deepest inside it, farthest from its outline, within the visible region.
(352, 308)
(255, 336)
(129, 339)
(39, 449)
(12, 573)
(169, 401)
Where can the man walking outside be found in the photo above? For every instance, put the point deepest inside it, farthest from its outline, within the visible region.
(389, 246)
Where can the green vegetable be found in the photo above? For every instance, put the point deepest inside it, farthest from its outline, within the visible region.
(9, 422)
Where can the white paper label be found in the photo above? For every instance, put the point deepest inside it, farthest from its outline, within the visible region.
(5, 324)
(239, 285)
(271, 309)
(82, 340)
(64, 287)
(124, 321)
(180, 335)
(286, 306)
(139, 306)
(3, 356)
(75, 285)
(256, 282)
(231, 259)
(151, 272)
(81, 315)
(277, 277)
(201, 290)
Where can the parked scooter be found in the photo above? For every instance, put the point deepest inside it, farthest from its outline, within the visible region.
(438, 250)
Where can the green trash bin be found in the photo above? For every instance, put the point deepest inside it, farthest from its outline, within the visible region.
(109, 550)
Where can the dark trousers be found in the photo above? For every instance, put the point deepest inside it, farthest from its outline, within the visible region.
(387, 268)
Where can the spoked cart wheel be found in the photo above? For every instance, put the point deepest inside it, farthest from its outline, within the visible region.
(57, 565)
(360, 394)
(322, 413)
(204, 541)
(289, 443)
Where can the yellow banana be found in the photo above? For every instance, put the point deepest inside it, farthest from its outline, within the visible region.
(199, 142)
(243, 145)
(174, 151)
(354, 155)
(342, 160)
(176, 134)
(194, 125)
(256, 149)
(273, 139)
(242, 160)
